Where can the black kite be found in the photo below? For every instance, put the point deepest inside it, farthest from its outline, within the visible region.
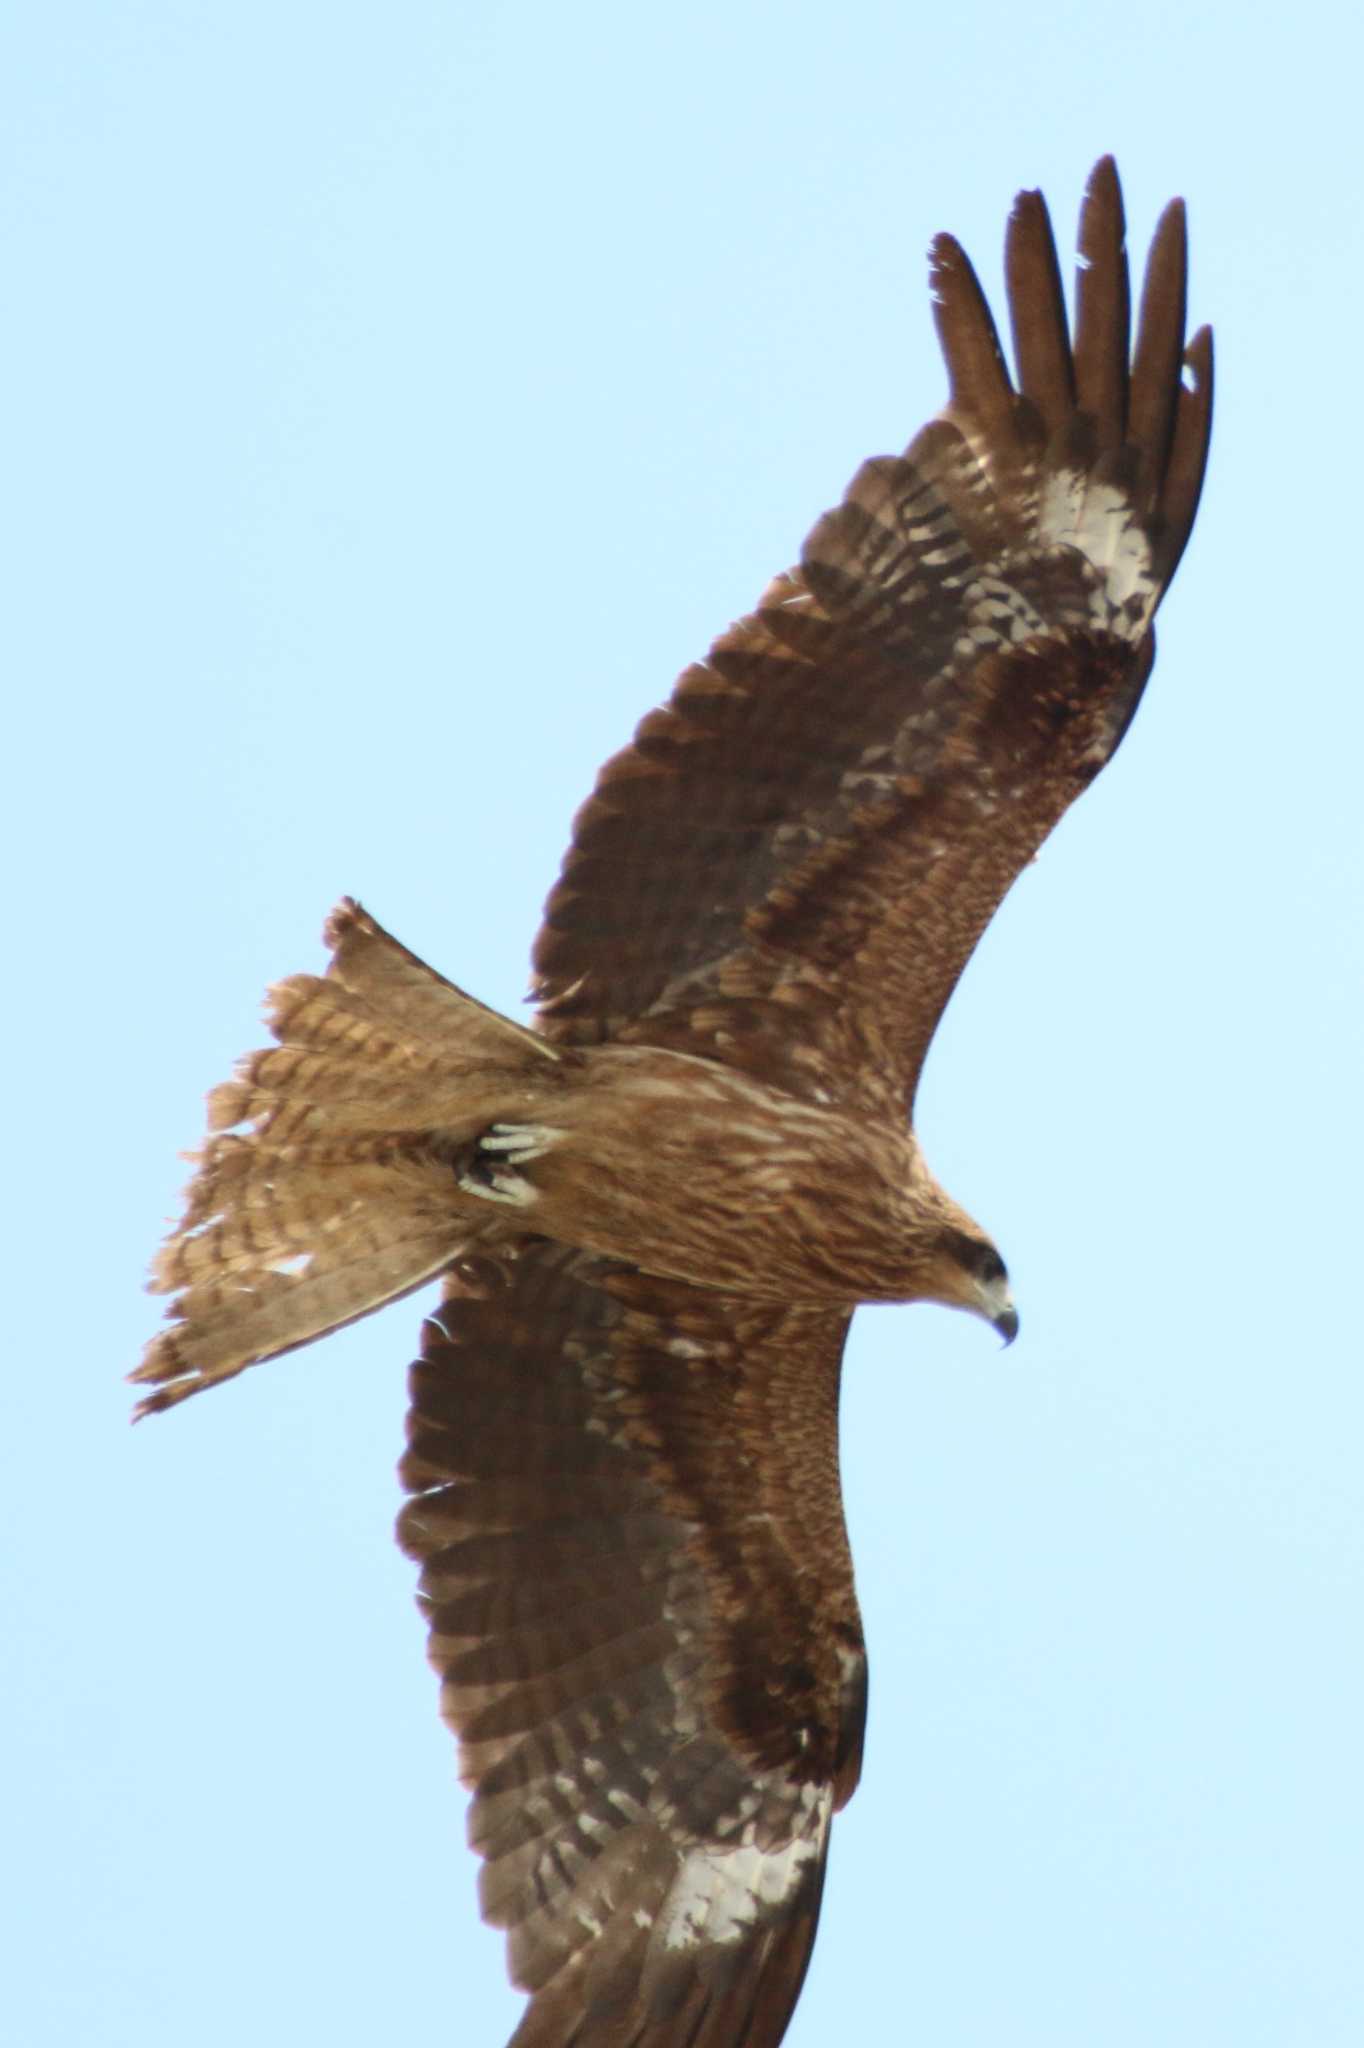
(655, 1212)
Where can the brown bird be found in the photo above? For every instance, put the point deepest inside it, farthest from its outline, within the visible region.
(654, 1213)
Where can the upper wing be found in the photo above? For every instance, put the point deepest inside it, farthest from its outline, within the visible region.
(627, 1511)
(793, 860)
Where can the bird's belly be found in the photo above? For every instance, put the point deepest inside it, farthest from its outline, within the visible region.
(691, 1171)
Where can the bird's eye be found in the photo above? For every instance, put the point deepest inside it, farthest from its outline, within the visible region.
(977, 1256)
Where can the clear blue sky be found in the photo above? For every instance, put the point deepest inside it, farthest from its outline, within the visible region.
(396, 398)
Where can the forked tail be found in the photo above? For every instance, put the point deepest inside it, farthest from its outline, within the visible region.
(324, 1188)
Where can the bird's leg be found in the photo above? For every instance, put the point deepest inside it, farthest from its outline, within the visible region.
(492, 1169)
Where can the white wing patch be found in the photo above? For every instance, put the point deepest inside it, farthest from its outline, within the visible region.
(719, 1894)
(1097, 519)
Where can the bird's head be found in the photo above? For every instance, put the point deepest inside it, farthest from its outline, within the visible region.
(959, 1265)
(976, 1279)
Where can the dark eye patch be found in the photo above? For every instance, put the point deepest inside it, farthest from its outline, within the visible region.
(976, 1256)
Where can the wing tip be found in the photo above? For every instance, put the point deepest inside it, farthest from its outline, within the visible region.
(1103, 186)
(1198, 355)
(977, 374)
(1143, 400)
(946, 259)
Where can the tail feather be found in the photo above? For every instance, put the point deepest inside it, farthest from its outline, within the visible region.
(411, 999)
(380, 1042)
(228, 1324)
(325, 1186)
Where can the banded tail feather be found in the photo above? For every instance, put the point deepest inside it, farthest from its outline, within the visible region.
(326, 1185)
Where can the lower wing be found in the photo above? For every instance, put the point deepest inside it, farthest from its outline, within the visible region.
(626, 1507)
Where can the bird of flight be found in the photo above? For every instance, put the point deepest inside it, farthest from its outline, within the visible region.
(654, 1213)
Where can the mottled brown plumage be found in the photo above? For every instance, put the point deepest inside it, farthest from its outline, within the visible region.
(655, 1213)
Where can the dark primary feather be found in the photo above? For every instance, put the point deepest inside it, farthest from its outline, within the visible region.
(1158, 355)
(1183, 482)
(977, 375)
(1102, 308)
(1037, 312)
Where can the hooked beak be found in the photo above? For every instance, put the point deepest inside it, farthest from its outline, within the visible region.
(996, 1305)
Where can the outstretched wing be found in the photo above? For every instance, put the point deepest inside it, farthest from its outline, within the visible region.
(790, 865)
(634, 1565)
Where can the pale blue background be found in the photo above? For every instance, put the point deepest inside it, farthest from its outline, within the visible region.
(397, 397)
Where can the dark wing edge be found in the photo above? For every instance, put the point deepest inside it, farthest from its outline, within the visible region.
(763, 875)
(626, 1508)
